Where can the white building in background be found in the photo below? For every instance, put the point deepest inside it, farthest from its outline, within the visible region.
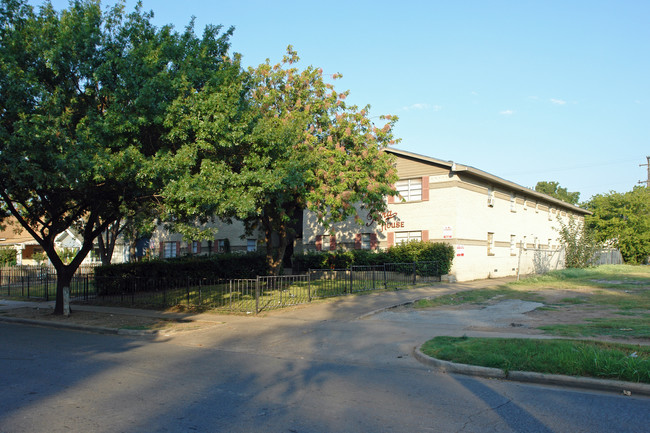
(497, 228)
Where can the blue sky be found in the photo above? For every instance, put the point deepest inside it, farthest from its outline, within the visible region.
(525, 90)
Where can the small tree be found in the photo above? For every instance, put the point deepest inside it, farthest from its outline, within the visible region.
(579, 244)
(278, 142)
(7, 256)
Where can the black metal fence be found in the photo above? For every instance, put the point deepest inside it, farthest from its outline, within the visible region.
(261, 293)
(237, 295)
(39, 282)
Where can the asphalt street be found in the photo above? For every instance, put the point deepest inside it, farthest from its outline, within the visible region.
(320, 368)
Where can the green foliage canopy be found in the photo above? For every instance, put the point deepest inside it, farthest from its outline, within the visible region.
(623, 221)
(83, 99)
(555, 190)
(279, 141)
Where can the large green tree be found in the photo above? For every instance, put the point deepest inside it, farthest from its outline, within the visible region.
(622, 220)
(280, 141)
(83, 99)
(555, 190)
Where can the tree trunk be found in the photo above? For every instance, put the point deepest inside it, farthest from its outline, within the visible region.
(64, 276)
(274, 255)
(107, 246)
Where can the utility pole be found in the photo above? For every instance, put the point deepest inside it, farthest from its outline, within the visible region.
(647, 182)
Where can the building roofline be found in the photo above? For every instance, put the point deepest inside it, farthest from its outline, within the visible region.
(496, 180)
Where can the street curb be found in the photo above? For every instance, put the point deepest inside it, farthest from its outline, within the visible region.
(531, 377)
(381, 310)
(76, 327)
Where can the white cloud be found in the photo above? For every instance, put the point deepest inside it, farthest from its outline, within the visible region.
(507, 112)
(420, 106)
(558, 101)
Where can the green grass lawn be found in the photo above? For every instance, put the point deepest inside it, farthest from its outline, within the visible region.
(620, 289)
(567, 357)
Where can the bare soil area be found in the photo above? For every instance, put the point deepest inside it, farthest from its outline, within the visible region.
(555, 312)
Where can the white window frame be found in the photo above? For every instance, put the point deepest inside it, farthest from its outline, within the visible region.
(169, 250)
(513, 245)
(366, 241)
(410, 189)
(221, 245)
(195, 247)
(490, 243)
(326, 242)
(405, 237)
(251, 245)
(490, 198)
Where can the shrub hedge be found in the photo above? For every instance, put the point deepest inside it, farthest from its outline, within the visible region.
(439, 252)
(230, 266)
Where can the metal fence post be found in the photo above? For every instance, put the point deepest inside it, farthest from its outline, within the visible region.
(350, 269)
(385, 279)
(257, 295)
(47, 291)
(188, 290)
(415, 272)
(309, 285)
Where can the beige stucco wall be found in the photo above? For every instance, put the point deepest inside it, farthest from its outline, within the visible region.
(458, 213)
(233, 232)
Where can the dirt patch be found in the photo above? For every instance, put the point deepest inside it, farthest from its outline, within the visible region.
(561, 307)
(104, 320)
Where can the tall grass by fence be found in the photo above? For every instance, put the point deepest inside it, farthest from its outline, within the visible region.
(238, 295)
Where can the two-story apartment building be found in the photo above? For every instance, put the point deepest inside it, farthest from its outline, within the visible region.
(498, 228)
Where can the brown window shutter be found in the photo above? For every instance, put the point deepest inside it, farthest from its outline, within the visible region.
(178, 249)
(215, 246)
(425, 235)
(357, 241)
(332, 242)
(425, 188)
(162, 250)
(373, 241)
(391, 238)
(198, 247)
(319, 243)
